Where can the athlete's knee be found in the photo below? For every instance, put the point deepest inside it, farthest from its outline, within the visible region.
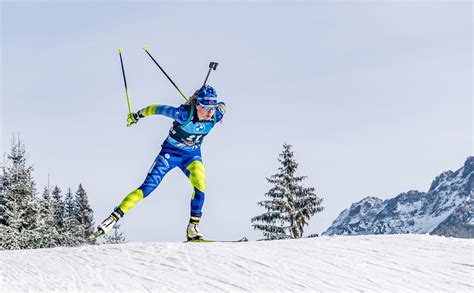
(157, 171)
(197, 175)
(147, 188)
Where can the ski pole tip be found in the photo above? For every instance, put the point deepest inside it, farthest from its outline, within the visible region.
(120, 50)
(145, 47)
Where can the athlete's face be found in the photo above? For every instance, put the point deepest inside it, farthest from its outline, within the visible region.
(204, 114)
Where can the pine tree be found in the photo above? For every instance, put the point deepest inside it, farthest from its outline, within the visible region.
(3, 196)
(59, 215)
(71, 231)
(49, 234)
(2, 209)
(18, 205)
(84, 214)
(291, 205)
(11, 231)
(29, 222)
(69, 206)
(116, 237)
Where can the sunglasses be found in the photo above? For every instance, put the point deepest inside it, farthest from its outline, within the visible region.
(208, 107)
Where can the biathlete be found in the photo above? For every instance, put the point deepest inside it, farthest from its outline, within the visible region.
(182, 148)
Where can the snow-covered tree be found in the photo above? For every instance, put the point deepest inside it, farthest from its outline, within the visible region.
(3, 195)
(69, 206)
(84, 214)
(49, 234)
(11, 233)
(18, 205)
(59, 214)
(30, 222)
(71, 231)
(116, 237)
(290, 205)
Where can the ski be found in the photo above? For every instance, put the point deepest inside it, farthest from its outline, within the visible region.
(96, 235)
(243, 239)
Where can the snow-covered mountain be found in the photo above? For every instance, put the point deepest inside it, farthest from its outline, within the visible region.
(460, 222)
(375, 263)
(445, 209)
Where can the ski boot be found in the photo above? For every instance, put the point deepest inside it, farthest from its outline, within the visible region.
(107, 225)
(192, 230)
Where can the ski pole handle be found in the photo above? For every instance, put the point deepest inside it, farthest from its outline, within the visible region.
(212, 66)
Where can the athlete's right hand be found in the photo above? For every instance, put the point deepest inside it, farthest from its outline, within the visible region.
(132, 118)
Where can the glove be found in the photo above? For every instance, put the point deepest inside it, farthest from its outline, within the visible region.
(221, 107)
(132, 118)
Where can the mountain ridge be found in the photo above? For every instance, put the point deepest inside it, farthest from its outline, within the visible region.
(445, 209)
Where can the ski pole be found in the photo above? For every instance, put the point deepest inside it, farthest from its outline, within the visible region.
(212, 66)
(146, 50)
(125, 80)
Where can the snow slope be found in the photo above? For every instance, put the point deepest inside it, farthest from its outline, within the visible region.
(368, 263)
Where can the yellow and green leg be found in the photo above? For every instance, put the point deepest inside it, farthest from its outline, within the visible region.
(197, 175)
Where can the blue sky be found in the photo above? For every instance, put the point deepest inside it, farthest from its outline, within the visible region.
(376, 99)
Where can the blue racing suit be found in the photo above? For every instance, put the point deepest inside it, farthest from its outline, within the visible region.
(182, 148)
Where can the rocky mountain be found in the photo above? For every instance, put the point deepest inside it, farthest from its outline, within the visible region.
(460, 223)
(447, 208)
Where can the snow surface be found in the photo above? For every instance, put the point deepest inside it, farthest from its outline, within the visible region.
(368, 263)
